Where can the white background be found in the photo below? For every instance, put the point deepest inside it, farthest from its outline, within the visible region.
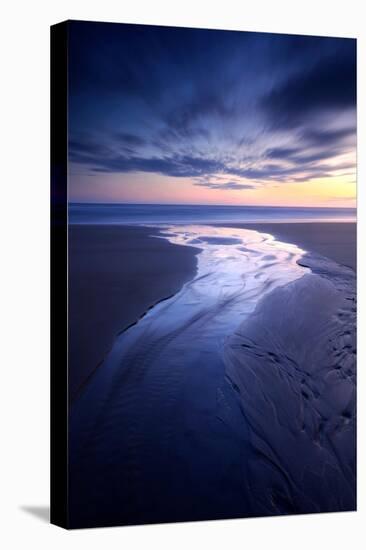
(24, 305)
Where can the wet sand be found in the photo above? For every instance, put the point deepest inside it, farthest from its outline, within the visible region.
(336, 241)
(293, 365)
(115, 274)
(234, 398)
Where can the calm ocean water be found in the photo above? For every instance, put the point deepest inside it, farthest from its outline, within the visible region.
(197, 214)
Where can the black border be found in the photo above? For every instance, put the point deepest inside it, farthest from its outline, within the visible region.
(59, 377)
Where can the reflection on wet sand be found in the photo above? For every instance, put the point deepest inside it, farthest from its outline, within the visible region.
(200, 413)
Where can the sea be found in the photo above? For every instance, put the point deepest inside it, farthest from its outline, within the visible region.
(129, 214)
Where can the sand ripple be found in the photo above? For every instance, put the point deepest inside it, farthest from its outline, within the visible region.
(235, 397)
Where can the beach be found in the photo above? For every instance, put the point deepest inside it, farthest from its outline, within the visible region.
(234, 395)
(209, 199)
(116, 274)
(333, 240)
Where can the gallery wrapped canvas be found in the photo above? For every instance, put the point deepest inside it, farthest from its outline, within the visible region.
(203, 239)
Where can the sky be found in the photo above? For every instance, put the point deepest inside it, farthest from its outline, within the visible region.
(191, 116)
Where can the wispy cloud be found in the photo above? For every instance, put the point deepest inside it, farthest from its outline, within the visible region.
(186, 103)
(229, 185)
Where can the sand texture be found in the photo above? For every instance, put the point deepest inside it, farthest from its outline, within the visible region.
(235, 397)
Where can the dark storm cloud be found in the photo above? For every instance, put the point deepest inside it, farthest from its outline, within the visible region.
(282, 152)
(324, 137)
(81, 148)
(129, 139)
(298, 155)
(177, 166)
(328, 85)
(272, 172)
(195, 103)
(185, 166)
(182, 120)
(315, 145)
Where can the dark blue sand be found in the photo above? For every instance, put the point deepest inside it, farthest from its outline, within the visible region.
(185, 421)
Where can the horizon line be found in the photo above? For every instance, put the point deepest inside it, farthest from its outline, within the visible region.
(208, 205)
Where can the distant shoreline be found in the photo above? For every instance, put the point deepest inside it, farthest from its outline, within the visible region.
(187, 205)
(138, 214)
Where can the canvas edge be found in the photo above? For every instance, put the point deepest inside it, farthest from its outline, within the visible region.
(59, 268)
